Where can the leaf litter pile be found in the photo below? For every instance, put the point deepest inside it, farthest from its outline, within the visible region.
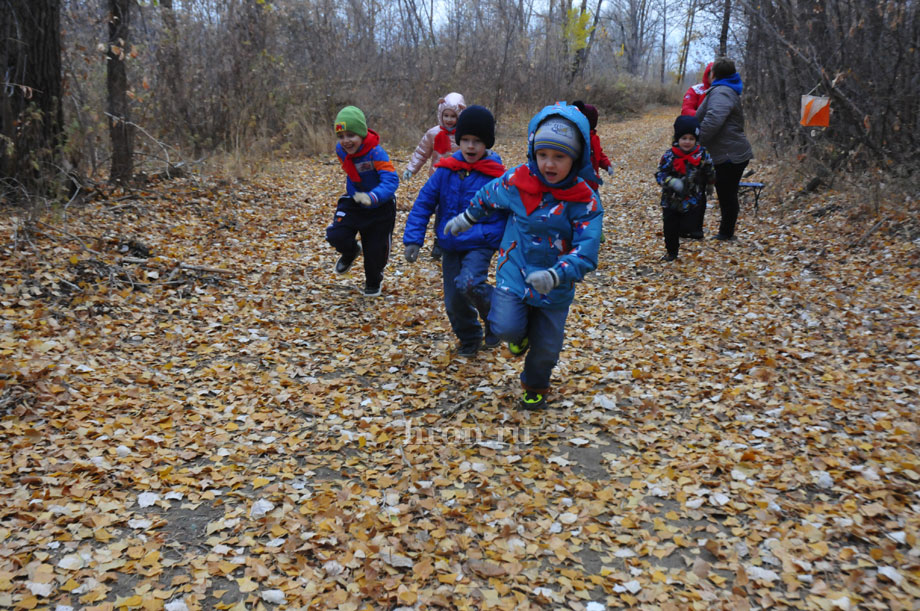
(197, 413)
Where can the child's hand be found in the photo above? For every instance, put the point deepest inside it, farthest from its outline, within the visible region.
(543, 281)
(407, 175)
(674, 184)
(458, 224)
(610, 170)
(362, 198)
(411, 252)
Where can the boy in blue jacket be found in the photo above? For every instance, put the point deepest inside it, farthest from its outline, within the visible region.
(550, 241)
(466, 258)
(369, 205)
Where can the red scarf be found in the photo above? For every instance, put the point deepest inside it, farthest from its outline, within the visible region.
(442, 140)
(348, 163)
(681, 158)
(532, 190)
(486, 166)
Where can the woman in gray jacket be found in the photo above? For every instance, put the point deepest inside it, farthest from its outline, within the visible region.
(722, 133)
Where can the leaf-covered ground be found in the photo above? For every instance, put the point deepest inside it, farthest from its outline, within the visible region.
(734, 430)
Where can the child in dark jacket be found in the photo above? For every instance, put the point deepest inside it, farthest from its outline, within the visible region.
(550, 241)
(684, 172)
(368, 207)
(599, 160)
(465, 258)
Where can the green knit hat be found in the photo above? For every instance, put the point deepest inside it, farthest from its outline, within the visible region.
(351, 119)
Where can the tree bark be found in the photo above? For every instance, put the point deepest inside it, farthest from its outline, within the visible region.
(31, 117)
(723, 36)
(120, 129)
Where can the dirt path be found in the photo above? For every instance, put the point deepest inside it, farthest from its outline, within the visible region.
(734, 430)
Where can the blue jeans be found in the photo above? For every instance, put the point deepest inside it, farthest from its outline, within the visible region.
(467, 292)
(512, 320)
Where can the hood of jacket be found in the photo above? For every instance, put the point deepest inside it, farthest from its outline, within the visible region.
(582, 167)
(733, 81)
(452, 101)
(707, 81)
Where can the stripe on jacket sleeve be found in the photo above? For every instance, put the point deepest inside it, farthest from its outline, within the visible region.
(384, 166)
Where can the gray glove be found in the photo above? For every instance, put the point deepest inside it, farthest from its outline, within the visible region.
(362, 198)
(610, 170)
(459, 224)
(411, 252)
(407, 175)
(543, 281)
(674, 184)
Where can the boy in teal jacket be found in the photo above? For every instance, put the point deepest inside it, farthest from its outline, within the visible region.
(550, 242)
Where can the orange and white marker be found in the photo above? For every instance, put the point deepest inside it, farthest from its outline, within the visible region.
(816, 111)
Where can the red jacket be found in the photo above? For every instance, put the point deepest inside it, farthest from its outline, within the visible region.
(598, 158)
(695, 94)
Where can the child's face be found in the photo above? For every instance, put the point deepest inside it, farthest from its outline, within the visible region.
(473, 148)
(350, 142)
(449, 118)
(553, 165)
(687, 142)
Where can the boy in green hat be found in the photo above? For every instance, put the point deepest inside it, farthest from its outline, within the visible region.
(368, 207)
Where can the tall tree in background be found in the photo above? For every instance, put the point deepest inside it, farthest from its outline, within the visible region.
(120, 128)
(31, 117)
(723, 35)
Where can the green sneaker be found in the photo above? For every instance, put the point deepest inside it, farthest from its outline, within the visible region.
(519, 349)
(532, 400)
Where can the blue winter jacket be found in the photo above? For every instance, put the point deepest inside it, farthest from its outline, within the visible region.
(561, 235)
(378, 175)
(447, 194)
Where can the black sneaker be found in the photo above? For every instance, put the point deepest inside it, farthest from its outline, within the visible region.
(694, 235)
(372, 291)
(346, 261)
(532, 400)
(469, 349)
(724, 238)
(669, 257)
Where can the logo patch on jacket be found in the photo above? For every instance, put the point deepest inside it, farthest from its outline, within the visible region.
(364, 166)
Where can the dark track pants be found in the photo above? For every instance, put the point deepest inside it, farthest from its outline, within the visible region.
(374, 225)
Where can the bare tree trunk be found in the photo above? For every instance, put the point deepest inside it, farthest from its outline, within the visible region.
(31, 119)
(169, 66)
(688, 36)
(723, 36)
(120, 128)
(664, 36)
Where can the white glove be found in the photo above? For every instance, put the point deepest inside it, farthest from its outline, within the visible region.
(610, 170)
(411, 252)
(674, 184)
(458, 224)
(407, 175)
(543, 281)
(362, 198)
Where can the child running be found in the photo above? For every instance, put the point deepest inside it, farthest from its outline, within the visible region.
(683, 172)
(438, 142)
(369, 204)
(550, 241)
(466, 258)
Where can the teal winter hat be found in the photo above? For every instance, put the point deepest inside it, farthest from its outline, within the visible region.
(351, 119)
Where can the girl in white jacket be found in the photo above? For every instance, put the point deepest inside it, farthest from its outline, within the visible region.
(437, 142)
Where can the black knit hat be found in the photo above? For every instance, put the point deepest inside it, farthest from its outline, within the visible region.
(477, 121)
(686, 124)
